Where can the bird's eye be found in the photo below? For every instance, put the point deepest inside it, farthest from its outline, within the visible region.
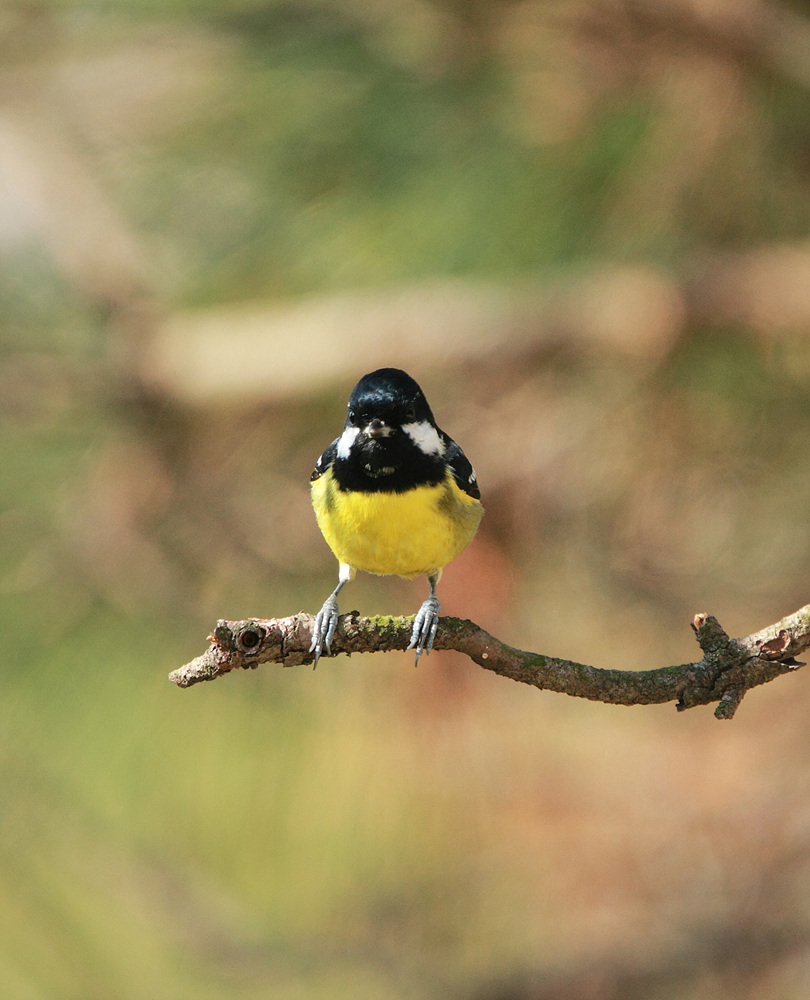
(352, 416)
(410, 415)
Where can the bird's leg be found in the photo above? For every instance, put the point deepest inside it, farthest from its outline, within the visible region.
(326, 620)
(426, 621)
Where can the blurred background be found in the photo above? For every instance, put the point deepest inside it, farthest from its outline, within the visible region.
(583, 227)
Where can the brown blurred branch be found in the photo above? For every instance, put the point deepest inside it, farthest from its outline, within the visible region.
(728, 669)
(637, 311)
(766, 37)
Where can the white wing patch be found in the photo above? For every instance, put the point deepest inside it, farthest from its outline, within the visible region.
(425, 436)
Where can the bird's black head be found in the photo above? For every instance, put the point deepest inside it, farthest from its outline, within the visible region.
(384, 400)
(390, 441)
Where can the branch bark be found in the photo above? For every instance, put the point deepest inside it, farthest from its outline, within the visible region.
(728, 668)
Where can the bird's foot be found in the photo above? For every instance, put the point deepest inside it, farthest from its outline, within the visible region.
(424, 627)
(324, 629)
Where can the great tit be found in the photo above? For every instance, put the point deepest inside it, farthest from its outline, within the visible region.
(393, 495)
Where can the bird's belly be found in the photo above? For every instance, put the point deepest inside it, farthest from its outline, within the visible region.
(406, 534)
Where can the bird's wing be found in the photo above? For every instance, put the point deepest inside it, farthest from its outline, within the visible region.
(460, 466)
(324, 461)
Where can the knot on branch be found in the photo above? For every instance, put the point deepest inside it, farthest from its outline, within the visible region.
(234, 646)
(247, 637)
(709, 680)
(731, 666)
(780, 647)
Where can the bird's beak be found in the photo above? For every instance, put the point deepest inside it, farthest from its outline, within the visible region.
(377, 429)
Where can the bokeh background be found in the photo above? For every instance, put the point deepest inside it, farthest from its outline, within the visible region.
(583, 226)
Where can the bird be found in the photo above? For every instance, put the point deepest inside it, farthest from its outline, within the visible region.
(393, 496)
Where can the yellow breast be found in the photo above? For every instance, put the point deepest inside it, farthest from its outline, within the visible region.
(402, 534)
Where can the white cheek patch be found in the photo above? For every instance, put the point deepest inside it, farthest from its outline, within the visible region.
(425, 436)
(346, 440)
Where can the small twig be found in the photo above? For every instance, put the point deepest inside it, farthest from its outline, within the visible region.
(729, 667)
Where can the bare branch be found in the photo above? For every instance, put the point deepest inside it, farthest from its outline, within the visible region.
(728, 669)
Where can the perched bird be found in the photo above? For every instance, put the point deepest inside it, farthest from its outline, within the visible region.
(393, 495)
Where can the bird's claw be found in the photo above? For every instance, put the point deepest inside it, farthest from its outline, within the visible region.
(323, 632)
(424, 627)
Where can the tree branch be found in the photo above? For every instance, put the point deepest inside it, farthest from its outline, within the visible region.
(728, 669)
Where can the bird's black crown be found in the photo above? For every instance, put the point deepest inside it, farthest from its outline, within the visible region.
(388, 394)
